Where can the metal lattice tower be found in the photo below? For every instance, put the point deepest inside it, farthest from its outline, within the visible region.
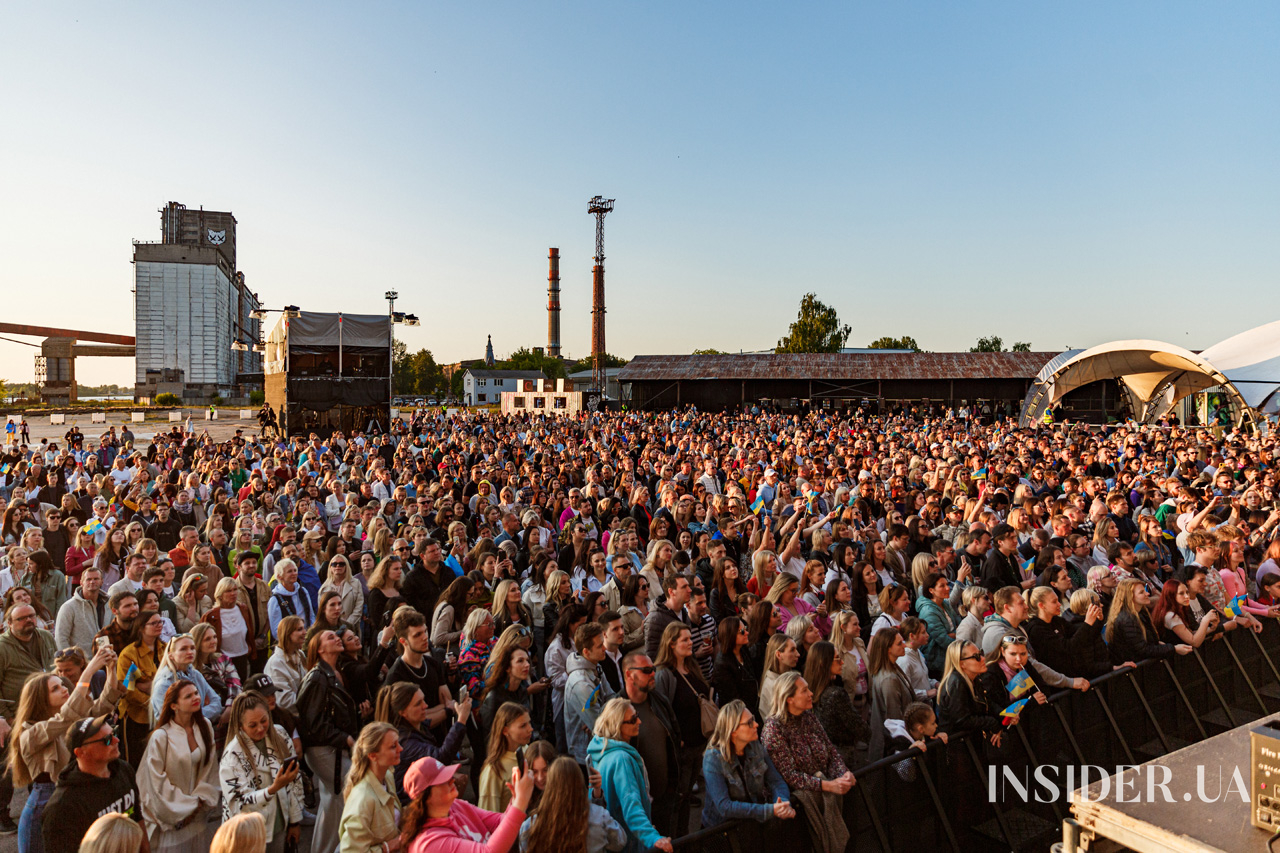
(598, 207)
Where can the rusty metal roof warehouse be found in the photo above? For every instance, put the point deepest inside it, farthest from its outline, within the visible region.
(922, 365)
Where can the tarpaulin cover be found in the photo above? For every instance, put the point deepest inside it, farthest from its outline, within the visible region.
(313, 333)
(323, 393)
(358, 330)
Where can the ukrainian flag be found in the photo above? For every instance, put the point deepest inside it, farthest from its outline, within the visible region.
(980, 474)
(757, 506)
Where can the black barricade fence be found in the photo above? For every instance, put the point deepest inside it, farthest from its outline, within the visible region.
(966, 796)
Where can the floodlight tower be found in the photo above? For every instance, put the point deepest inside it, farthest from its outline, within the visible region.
(598, 207)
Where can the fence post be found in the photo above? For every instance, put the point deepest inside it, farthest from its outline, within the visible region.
(1146, 706)
(937, 802)
(875, 818)
(1226, 709)
(995, 807)
(1195, 718)
(1115, 727)
(1263, 649)
(1226, 641)
(1071, 737)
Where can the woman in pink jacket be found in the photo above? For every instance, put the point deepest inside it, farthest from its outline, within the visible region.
(438, 822)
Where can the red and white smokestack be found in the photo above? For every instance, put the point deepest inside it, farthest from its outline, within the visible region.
(553, 304)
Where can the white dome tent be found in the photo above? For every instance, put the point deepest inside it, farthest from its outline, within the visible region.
(1155, 375)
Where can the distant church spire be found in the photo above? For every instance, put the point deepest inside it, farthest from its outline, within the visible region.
(488, 352)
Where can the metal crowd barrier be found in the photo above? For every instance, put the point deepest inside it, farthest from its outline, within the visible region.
(1128, 716)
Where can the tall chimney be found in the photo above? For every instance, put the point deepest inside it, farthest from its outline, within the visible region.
(553, 304)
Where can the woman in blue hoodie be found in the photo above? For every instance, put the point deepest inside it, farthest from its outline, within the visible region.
(622, 775)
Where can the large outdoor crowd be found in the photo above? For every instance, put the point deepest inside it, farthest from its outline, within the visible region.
(484, 633)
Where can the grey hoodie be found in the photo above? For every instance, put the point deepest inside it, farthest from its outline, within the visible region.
(994, 630)
(585, 693)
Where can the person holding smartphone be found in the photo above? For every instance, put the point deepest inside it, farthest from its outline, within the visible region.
(259, 771)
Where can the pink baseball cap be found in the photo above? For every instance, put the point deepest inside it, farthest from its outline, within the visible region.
(426, 772)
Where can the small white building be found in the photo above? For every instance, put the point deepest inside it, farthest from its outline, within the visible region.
(486, 387)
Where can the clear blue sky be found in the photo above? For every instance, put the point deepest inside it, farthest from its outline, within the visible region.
(1059, 173)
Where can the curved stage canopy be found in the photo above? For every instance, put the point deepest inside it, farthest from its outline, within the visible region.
(1156, 375)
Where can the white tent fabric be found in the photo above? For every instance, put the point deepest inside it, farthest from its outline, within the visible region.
(1147, 370)
(1251, 360)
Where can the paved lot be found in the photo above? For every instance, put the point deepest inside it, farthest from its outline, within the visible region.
(223, 428)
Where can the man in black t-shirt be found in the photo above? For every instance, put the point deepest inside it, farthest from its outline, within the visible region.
(417, 666)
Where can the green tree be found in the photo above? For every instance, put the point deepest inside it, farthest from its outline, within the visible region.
(709, 351)
(526, 359)
(904, 342)
(996, 344)
(587, 362)
(816, 329)
(417, 372)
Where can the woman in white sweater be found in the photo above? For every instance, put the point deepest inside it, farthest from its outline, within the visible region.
(178, 777)
(286, 666)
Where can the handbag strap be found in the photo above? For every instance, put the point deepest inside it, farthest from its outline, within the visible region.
(690, 683)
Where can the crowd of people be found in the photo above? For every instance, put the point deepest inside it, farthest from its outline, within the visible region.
(481, 633)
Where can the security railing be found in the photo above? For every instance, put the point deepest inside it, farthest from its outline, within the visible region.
(1128, 716)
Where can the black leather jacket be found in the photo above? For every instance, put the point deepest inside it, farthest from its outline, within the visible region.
(327, 715)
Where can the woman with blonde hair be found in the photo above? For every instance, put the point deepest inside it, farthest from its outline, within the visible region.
(192, 602)
(234, 623)
(339, 580)
(37, 748)
(846, 636)
(371, 808)
(764, 569)
(113, 833)
(508, 608)
(1131, 635)
(286, 666)
(134, 533)
(785, 598)
(657, 561)
(79, 555)
(623, 776)
(178, 664)
(781, 656)
(217, 669)
(381, 543)
(147, 548)
(384, 589)
(558, 592)
(807, 760)
(244, 833)
(741, 780)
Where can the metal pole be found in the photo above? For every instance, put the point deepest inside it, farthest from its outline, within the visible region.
(391, 352)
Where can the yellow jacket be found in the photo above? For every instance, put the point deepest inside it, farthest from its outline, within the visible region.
(134, 703)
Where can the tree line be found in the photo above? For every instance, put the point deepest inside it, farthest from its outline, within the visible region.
(817, 328)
